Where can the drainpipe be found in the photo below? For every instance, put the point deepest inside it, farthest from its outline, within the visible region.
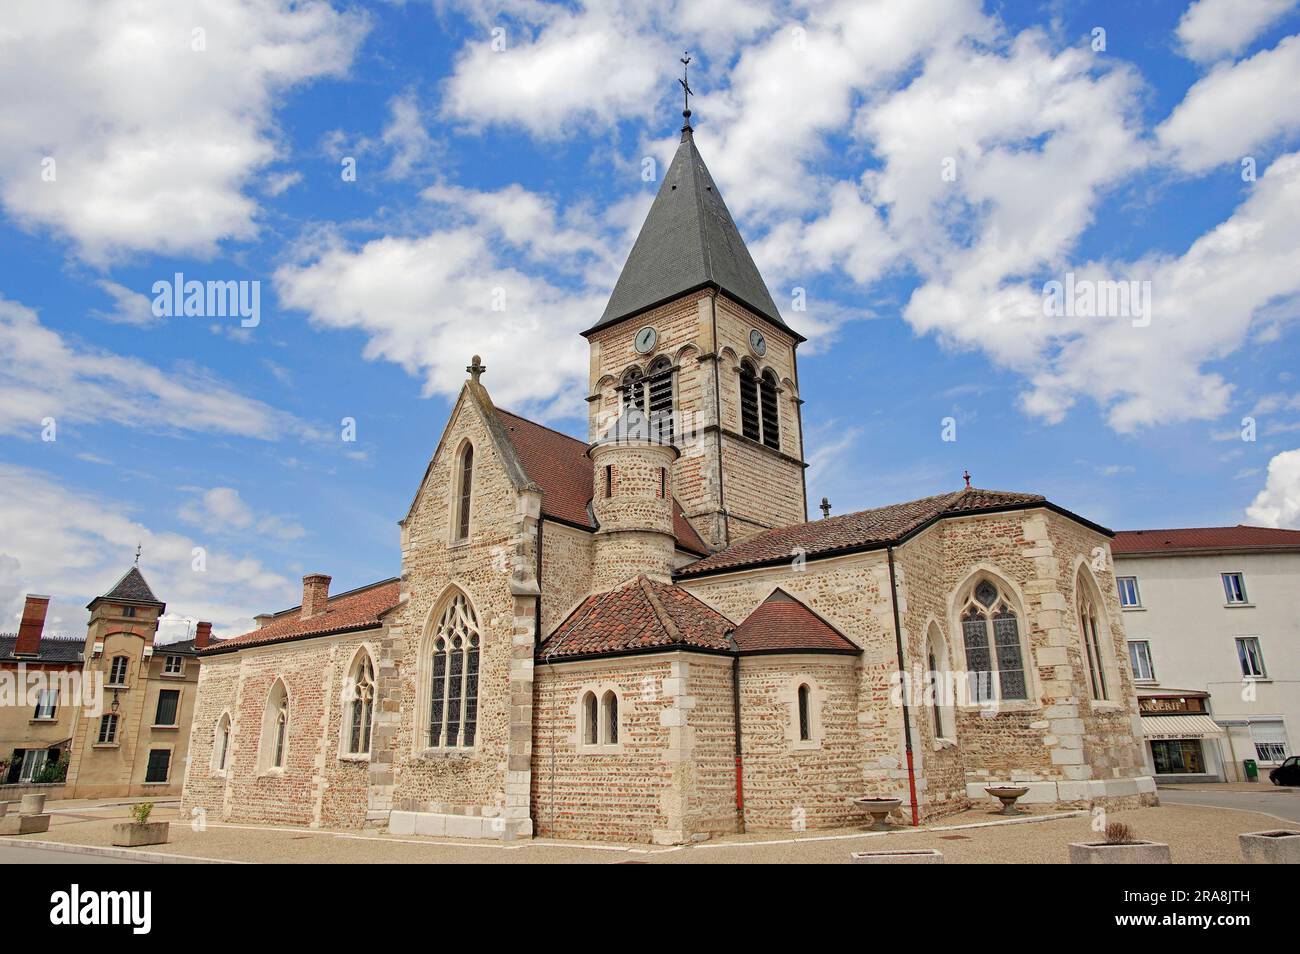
(735, 714)
(902, 672)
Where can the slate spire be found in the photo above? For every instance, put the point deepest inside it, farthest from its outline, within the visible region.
(688, 241)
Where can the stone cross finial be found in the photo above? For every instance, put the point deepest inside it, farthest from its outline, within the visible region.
(138, 548)
(966, 476)
(476, 368)
(825, 508)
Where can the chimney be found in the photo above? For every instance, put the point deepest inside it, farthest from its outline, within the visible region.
(202, 634)
(33, 624)
(315, 592)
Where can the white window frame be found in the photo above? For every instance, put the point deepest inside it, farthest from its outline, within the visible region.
(33, 761)
(126, 670)
(99, 730)
(1137, 592)
(167, 665)
(1230, 592)
(1132, 658)
(604, 701)
(47, 706)
(1245, 642)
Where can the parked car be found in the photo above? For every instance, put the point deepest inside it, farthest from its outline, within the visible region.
(1288, 773)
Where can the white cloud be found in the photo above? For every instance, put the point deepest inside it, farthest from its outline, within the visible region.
(405, 136)
(74, 545)
(129, 307)
(1210, 29)
(507, 277)
(1236, 108)
(1278, 504)
(221, 510)
(1203, 305)
(597, 61)
(42, 374)
(153, 141)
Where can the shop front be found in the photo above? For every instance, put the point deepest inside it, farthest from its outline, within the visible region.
(1182, 741)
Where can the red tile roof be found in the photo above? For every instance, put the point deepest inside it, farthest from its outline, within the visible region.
(783, 624)
(1240, 537)
(853, 531)
(640, 615)
(559, 465)
(361, 608)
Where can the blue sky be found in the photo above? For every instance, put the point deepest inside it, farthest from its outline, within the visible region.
(502, 146)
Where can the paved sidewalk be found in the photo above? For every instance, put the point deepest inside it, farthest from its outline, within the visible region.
(1195, 834)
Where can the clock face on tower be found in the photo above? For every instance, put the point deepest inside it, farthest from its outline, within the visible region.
(757, 342)
(645, 340)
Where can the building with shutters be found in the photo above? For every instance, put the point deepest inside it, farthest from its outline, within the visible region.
(1212, 617)
(126, 736)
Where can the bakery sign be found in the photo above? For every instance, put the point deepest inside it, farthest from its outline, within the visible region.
(1170, 705)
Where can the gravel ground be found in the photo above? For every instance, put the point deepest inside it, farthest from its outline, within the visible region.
(1196, 835)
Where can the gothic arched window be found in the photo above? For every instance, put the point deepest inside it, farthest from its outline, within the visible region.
(453, 683)
(768, 418)
(221, 743)
(1089, 632)
(986, 609)
(275, 727)
(805, 713)
(590, 720)
(464, 491)
(609, 717)
(936, 659)
(361, 704)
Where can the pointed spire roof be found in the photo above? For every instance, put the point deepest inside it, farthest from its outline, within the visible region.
(688, 241)
(131, 588)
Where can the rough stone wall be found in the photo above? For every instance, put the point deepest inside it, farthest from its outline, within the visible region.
(789, 784)
(566, 572)
(769, 489)
(852, 594)
(495, 568)
(1059, 734)
(320, 785)
(599, 793)
(636, 518)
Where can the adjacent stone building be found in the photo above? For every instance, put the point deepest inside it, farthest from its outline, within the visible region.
(641, 637)
(113, 703)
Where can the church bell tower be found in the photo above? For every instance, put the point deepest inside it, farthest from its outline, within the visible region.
(692, 338)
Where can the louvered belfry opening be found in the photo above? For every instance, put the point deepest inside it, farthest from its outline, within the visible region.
(749, 425)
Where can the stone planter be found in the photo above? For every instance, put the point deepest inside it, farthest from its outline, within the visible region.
(1008, 795)
(879, 808)
(918, 856)
(1137, 853)
(33, 804)
(1280, 846)
(134, 834)
(24, 824)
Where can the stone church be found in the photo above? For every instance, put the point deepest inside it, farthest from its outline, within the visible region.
(643, 638)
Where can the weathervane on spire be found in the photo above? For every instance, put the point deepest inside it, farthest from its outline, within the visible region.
(687, 92)
(138, 548)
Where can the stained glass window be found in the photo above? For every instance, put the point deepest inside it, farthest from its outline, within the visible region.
(362, 708)
(453, 680)
(1004, 657)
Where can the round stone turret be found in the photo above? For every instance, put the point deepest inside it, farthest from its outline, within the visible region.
(632, 500)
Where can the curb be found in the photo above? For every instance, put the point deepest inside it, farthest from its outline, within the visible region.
(130, 854)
